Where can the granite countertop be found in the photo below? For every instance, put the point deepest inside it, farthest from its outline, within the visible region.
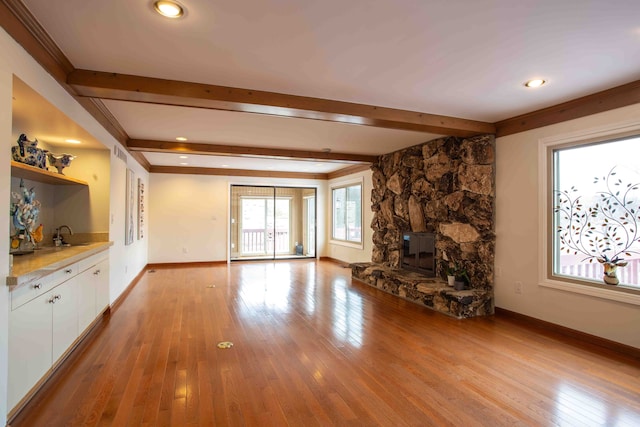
(49, 259)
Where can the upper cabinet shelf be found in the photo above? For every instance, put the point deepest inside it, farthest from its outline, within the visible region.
(20, 170)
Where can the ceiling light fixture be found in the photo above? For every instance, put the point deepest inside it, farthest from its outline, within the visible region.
(184, 157)
(181, 138)
(535, 83)
(184, 163)
(72, 141)
(169, 9)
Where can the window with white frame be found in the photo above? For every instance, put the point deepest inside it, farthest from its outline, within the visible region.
(595, 211)
(347, 213)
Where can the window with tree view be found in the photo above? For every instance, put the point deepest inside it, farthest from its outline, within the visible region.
(596, 212)
(347, 213)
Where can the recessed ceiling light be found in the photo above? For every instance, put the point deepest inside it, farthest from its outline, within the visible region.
(184, 157)
(72, 141)
(535, 83)
(225, 166)
(169, 9)
(184, 163)
(181, 138)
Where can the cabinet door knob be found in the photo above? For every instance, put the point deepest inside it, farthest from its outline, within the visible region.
(57, 297)
(95, 273)
(37, 286)
(52, 300)
(68, 271)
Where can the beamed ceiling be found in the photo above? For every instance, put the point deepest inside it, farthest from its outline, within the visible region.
(320, 89)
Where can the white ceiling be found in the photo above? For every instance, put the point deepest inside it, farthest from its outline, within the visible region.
(465, 59)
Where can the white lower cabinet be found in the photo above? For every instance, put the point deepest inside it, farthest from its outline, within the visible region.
(30, 345)
(101, 274)
(93, 291)
(86, 300)
(64, 321)
(47, 317)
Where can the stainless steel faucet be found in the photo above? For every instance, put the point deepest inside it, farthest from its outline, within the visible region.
(58, 239)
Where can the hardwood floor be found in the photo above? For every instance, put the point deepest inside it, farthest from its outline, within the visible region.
(312, 348)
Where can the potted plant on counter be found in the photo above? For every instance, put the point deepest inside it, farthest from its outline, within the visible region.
(462, 279)
(450, 271)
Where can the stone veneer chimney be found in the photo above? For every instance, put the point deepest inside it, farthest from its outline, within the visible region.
(447, 187)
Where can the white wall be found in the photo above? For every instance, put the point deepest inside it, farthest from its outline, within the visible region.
(517, 232)
(345, 252)
(93, 167)
(5, 176)
(126, 262)
(189, 215)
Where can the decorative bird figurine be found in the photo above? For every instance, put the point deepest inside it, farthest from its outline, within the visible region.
(38, 234)
(60, 161)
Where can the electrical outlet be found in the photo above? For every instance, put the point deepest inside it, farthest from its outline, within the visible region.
(498, 271)
(184, 250)
(518, 287)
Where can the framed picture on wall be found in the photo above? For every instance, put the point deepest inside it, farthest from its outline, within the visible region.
(140, 209)
(129, 220)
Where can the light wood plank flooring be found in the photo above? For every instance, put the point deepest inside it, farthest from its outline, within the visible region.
(311, 348)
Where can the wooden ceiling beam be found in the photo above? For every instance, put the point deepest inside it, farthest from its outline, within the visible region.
(617, 97)
(236, 172)
(123, 87)
(348, 171)
(240, 151)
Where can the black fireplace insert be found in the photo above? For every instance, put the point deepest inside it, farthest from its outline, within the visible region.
(419, 252)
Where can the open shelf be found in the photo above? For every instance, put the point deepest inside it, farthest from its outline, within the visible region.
(20, 170)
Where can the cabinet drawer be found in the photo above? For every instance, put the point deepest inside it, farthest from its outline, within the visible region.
(35, 288)
(92, 260)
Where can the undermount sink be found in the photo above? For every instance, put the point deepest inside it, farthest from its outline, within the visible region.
(46, 249)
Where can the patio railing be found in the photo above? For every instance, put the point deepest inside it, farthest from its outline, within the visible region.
(260, 241)
(593, 270)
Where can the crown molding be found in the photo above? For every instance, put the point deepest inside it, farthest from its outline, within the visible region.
(25, 29)
(18, 21)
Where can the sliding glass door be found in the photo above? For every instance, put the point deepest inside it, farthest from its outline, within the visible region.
(272, 222)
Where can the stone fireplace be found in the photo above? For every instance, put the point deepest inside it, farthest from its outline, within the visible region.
(445, 187)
